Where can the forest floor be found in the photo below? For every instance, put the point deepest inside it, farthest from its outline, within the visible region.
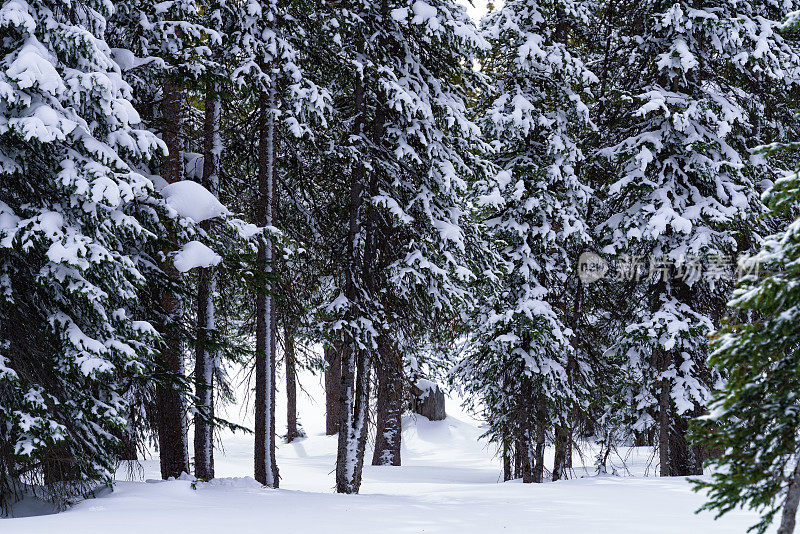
(450, 482)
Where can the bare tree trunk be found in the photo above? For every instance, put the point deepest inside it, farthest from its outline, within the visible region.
(333, 384)
(291, 385)
(507, 473)
(520, 458)
(664, 419)
(205, 357)
(789, 515)
(563, 448)
(389, 414)
(171, 423)
(527, 454)
(266, 467)
(538, 463)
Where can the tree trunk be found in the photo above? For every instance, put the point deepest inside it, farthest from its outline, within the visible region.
(789, 515)
(356, 365)
(664, 420)
(528, 457)
(266, 468)
(205, 357)
(563, 449)
(507, 473)
(389, 430)
(538, 464)
(333, 384)
(171, 423)
(291, 385)
(520, 458)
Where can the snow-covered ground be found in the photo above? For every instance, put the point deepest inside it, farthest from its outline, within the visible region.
(450, 482)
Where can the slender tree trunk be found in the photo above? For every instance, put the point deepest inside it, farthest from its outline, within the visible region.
(789, 515)
(563, 433)
(664, 419)
(266, 468)
(389, 430)
(128, 451)
(205, 357)
(520, 458)
(563, 448)
(538, 470)
(333, 385)
(356, 365)
(507, 473)
(171, 422)
(291, 385)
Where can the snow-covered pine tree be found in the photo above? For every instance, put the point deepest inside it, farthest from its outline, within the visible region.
(702, 85)
(523, 367)
(754, 418)
(67, 283)
(165, 47)
(268, 41)
(403, 75)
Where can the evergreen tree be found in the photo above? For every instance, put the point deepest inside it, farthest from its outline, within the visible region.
(404, 75)
(69, 346)
(704, 86)
(754, 419)
(523, 368)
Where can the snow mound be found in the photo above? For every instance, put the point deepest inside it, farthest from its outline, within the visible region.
(193, 201)
(231, 482)
(195, 254)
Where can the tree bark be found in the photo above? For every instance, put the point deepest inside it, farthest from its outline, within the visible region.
(538, 464)
(356, 365)
(520, 458)
(205, 357)
(664, 420)
(507, 473)
(171, 423)
(563, 448)
(333, 384)
(789, 515)
(291, 385)
(389, 432)
(266, 467)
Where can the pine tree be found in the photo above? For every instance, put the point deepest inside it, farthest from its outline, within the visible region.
(268, 42)
(523, 366)
(408, 147)
(754, 418)
(69, 347)
(705, 85)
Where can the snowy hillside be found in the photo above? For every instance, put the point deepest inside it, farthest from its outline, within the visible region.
(450, 482)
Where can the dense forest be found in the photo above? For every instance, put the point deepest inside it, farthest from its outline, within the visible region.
(580, 215)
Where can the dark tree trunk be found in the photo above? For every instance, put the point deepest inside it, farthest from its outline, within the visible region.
(507, 473)
(205, 357)
(538, 460)
(171, 423)
(128, 450)
(789, 515)
(430, 403)
(528, 457)
(266, 467)
(563, 449)
(333, 385)
(355, 419)
(291, 386)
(389, 430)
